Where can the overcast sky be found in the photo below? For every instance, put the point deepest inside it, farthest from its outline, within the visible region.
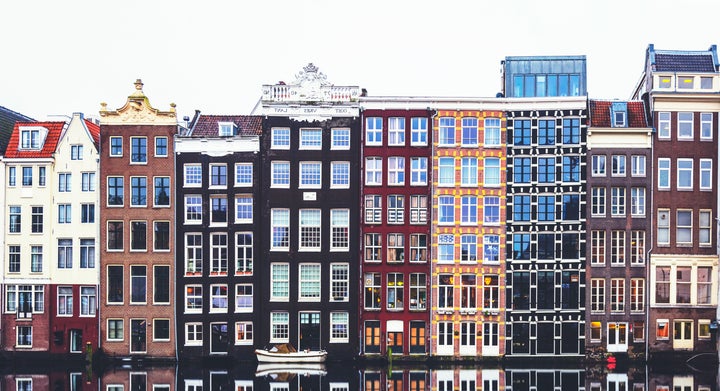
(61, 57)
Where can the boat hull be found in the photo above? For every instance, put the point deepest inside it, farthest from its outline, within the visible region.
(292, 357)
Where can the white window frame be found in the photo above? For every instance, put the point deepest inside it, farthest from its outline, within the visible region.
(471, 124)
(684, 172)
(664, 165)
(192, 171)
(638, 165)
(192, 331)
(221, 167)
(418, 171)
(219, 253)
(618, 202)
(598, 201)
(247, 336)
(278, 179)
(276, 214)
(193, 253)
(663, 225)
(395, 209)
(373, 171)
(446, 132)
(418, 131)
(446, 171)
(309, 140)
(492, 172)
(280, 138)
(193, 201)
(706, 126)
(340, 138)
(396, 131)
(599, 165)
(309, 230)
(279, 327)
(619, 165)
(446, 210)
(279, 281)
(492, 132)
(706, 174)
(418, 209)
(339, 229)
(339, 282)
(468, 171)
(685, 124)
(243, 292)
(242, 177)
(218, 299)
(339, 327)
(309, 282)
(664, 121)
(637, 201)
(244, 250)
(110, 146)
(193, 292)
(396, 171)
(242, 203)
(705, 221)
(679, 227)
(373, 133)
(339, 175)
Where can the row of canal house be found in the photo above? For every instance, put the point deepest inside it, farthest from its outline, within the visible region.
(535, 223)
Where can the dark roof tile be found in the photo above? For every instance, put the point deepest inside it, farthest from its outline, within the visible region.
(207, 125)
(684, 62)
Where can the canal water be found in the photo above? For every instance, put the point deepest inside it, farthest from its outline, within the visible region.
(247, 376)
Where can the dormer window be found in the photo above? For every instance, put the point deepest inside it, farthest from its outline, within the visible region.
(227, 129)
(685, 82)
(618, 111)
(32, 138)
(706, 83)
(620, 119)
(665, 81)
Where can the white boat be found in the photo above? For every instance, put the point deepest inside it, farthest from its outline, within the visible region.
(275, 369)
(264, 355)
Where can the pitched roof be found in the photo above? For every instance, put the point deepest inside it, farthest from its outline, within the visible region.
(600, 114)
(683, 60)
(207, 125)
(55, 129)
(94, 130)
(7, 123)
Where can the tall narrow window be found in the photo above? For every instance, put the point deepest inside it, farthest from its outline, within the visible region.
(244, 253)
(138, 149)
(339, 229)
(138, 284)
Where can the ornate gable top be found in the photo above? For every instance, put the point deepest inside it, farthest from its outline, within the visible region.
(310, 87)
(137, 111)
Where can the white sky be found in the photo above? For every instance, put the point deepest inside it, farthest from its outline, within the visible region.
(61, 57)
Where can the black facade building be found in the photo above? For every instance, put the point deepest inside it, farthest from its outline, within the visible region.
(546, 197)
(309, 216)
(217, 236)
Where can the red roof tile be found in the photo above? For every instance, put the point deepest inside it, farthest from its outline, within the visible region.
(94, 130)
(600, 114)
(48, 148)
(207, 125)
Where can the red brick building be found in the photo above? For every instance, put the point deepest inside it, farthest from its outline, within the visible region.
(136, 225)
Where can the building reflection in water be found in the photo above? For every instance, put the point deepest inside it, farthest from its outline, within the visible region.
(344, 377)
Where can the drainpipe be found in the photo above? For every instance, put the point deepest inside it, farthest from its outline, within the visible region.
(648, 268)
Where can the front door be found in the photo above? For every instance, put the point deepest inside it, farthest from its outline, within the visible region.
(137, 337)
(309, 331)
(617, 335)
(218, 338)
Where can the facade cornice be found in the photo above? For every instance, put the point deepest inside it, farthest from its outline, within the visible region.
(216, 146)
